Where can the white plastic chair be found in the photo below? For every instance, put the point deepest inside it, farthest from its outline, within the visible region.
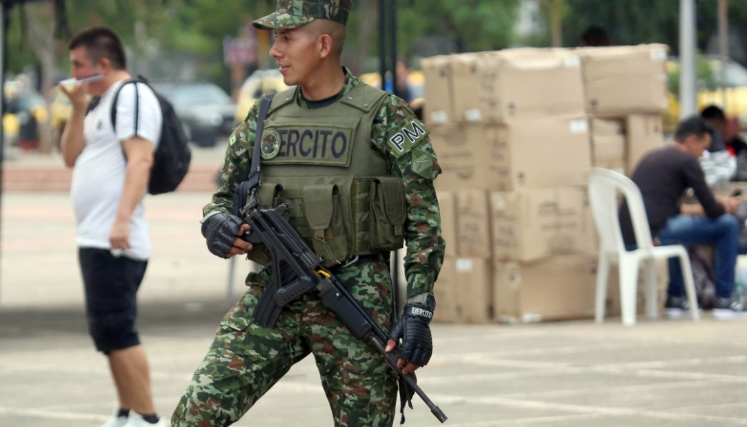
(603, 187)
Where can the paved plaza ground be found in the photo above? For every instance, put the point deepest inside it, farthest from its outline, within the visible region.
(566, 374)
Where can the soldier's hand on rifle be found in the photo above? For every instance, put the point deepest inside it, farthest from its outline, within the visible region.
(223, 233)
(413, 330)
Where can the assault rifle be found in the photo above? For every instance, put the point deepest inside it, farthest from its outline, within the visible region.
(296, 270)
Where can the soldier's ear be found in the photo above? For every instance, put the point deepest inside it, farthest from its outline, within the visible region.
(325, 45)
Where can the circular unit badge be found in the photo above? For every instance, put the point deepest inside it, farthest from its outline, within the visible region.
(270, 147)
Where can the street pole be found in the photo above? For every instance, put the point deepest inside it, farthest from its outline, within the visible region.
(3, 51)
(688, 94)
(382, 42)
(723, 45)
(393, 45)
(388, 26)
(556, 22)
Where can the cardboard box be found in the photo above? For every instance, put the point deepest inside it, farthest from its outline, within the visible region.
(495, 87)
(547, 153)
(608, 144)
(467, 87)
(473, 223)
(474, 297)
(447, 208)
(557, 288)
(457, 156)
(533, 224)
(445, 290)
(644, 133)
(521, 154)
(624, 80)
(438, 90)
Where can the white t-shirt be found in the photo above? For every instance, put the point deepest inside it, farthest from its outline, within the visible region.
(99, 172)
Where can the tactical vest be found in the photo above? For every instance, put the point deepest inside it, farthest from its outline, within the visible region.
(321, 163)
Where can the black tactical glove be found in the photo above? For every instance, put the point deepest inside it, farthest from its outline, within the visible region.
(413, 329)
(220, 231)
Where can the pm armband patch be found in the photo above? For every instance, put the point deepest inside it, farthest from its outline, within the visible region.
(407, 137)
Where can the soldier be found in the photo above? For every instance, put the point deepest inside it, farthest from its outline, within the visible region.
(356, 169)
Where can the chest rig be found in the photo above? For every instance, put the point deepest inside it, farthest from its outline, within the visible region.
(322, 164)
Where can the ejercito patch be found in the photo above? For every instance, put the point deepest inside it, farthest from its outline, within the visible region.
(270, 147)
(409, 136)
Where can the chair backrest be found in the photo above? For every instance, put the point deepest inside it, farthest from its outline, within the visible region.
(603, 187)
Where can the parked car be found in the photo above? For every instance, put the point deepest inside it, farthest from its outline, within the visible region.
(206, 110)
(256, 85)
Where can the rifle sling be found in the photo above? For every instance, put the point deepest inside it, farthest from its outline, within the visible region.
(264, 107)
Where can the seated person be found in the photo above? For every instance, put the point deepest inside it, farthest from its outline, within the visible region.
(732, 142)
(663, 176)
(718, 164)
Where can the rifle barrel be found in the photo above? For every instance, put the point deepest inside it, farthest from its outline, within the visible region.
(408, 379)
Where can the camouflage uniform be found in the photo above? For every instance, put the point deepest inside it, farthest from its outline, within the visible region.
(246, 360)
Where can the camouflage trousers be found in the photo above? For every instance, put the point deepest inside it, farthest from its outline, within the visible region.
(246, 360)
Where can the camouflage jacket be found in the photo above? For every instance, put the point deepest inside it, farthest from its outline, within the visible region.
(418, 167)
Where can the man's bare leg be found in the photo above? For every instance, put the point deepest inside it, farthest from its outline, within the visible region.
(131, 375)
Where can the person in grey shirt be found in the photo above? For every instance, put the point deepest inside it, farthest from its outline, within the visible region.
(663, 176)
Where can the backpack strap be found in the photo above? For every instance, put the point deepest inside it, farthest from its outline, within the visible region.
(93, 103)
(113, 113)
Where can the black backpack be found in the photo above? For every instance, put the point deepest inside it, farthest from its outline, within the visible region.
(172, 156)
(703, 279)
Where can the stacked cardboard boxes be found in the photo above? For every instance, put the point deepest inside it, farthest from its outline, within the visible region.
(516, 132)
(512, 137)
(626, 92)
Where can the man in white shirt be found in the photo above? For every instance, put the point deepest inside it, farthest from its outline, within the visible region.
(111, 168)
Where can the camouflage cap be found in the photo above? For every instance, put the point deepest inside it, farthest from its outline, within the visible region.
(294, 13)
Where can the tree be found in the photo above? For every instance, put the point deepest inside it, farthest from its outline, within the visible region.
(198, 28)
(630, 22)
(474, 25)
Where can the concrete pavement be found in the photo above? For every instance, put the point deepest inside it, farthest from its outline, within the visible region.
(572, 374)
(569, 374)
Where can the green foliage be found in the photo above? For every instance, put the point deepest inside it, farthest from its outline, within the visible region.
(705, 75)
(630, 22)
(199, 27)
(19, 53)
(627, 22)
(475, 25)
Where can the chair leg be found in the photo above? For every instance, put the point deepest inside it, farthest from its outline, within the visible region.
(687, 275)
(652, 291)
(603, 272)
(628, 289)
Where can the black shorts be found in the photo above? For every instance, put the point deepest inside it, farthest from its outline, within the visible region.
(111, 285)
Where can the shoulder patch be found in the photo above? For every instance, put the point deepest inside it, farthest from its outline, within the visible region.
(422, 163)
(407, 137)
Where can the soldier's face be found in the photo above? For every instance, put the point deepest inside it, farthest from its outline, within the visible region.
(295, 52)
